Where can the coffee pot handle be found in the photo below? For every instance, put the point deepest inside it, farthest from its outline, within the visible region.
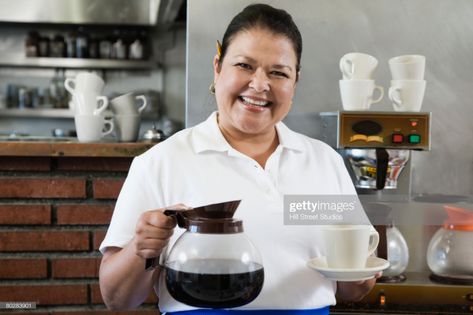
(382, 160)
(152, 263)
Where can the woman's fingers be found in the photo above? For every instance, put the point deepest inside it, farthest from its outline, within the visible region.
(152, 232)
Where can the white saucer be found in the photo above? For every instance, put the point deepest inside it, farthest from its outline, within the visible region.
(373, 265)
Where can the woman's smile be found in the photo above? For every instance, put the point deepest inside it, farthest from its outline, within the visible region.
(253, 104)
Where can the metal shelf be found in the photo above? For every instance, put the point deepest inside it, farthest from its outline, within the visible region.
(76, 63)
(43, 113)
(56, 113)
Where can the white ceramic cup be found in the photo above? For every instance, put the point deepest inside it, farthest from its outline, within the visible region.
(407, 67)
(126, 104)
(85, 82)
(88, 103)
(358, 66)
(407, 95)
(358, 94)
(92, 128)
(349, 246)
(127, 127)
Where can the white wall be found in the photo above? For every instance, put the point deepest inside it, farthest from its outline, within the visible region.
(439, 29)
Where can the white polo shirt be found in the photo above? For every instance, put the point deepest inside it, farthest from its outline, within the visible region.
(197, 166)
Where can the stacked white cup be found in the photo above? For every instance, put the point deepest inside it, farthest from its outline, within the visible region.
(88, 105)
(407, 85)
(358, 86)
(127, 115)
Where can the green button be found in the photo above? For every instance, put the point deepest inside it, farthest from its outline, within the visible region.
(414, 139)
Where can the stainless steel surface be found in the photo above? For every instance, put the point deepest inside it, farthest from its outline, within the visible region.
(384, 29)
(417, 295)
(76, 63)
(136, 12)
(362, 163)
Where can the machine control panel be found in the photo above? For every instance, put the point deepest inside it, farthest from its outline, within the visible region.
(390, 130)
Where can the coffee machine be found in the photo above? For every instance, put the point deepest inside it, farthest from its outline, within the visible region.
(376, 147)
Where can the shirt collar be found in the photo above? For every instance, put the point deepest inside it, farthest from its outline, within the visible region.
(207, 136)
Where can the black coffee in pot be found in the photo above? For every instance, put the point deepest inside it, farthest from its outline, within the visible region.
(214, 283)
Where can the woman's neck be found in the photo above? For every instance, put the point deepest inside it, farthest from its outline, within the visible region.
(258, 147)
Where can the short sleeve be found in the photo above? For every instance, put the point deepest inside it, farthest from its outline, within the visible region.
(137, 195)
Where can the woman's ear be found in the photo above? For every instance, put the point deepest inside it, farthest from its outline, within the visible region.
(216, 64)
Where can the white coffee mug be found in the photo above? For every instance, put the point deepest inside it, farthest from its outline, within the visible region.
(126, 104)
(407, 67)
(127, 127)
(89, 103)
(358, 66)
(85, 82)
(92, 128)
(407, 95)
(349, 246)
(358, 94)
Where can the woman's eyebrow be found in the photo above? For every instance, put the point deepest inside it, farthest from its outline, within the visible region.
(276, 66)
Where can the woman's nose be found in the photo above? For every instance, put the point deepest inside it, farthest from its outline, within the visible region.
(259, 81)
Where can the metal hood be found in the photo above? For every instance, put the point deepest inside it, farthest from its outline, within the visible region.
(116, 12)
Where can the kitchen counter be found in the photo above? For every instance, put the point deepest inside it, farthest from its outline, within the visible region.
(417, 295)
(71, 148)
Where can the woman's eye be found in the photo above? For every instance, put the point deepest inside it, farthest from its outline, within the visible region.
(280, 74)
(243, 65)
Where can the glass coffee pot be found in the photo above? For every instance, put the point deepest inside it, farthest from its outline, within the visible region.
(392, 245)
(213, 264)
(450, 255)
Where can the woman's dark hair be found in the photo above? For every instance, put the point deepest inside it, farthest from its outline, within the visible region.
(276, 21)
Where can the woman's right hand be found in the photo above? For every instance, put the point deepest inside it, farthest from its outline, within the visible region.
(153, 231)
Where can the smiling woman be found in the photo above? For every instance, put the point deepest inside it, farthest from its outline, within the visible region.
(254, 85)
(241, 152)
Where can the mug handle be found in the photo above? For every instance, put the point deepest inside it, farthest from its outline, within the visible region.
(395, 97)
(101, 108)
(374, 241)
(344, 63)
(111, 125)
(145, 103)
(69, 84)
(381, 94)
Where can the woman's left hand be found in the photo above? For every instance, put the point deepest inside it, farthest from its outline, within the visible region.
(354, 291)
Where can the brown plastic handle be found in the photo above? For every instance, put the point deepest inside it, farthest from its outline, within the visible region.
(382, 160)
(152, 263)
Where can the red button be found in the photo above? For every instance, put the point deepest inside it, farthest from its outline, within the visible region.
(398, 138)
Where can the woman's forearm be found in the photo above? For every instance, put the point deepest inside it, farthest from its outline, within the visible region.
(124, 282)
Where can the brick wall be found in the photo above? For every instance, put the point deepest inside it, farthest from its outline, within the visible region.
(54, 213)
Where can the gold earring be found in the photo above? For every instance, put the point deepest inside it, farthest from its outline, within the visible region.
(212, 88)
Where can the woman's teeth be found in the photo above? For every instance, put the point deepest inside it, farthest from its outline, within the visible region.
(250, 101)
